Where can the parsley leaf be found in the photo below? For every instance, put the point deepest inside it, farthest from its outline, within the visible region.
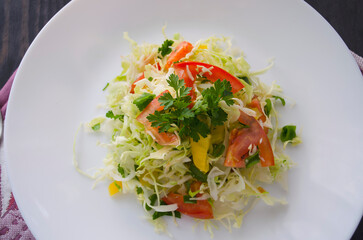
(161, 120)
(191, 121)
(144, 100)
(111, 115)
(194, 128)
(174, 82)
(197, 174)
(166, 100)
(218, 150)
(222, 90)
(165, 47)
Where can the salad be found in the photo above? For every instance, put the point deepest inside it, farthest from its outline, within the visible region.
(193, 132)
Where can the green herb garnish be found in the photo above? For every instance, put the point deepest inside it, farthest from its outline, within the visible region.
(139, 190)
(197, 174)
(281, 99)
(191, 121)
(152, 199)
(111, 115)
(96, 127)
(165, 47)
(288, 133)
(246, 79)
(253, 159)
(156, 215)
(268, 107)
(187, 199)
(218, 150)
(105, 87)
(144, 100)
(121, 170)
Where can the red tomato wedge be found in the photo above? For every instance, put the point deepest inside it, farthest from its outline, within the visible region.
(178, 53)
(255, 103)
(132, 90)
(189, 70)
(142, 76)
(163, 138)
(202, 209)
(241, 139)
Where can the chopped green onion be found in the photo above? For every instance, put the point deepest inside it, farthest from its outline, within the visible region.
(121, 170)
(118, 186)
(139, 190)
(288, 133)
(156, 215)
(268, 107)
(96, 127)
(281, 99)
(192, 194)
(105, 87)
(187, 199)
(246, 79)
(197, 174)
(144, 100)
(253, 159)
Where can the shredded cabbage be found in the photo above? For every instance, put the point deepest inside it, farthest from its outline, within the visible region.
(141, 164)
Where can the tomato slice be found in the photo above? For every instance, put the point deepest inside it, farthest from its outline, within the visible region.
(241, 139)
(142, 76)
(178, 53)
(255, 103)
(202, 209)
(188, 82)
(132, 90)
(163, 138)
(189, 70)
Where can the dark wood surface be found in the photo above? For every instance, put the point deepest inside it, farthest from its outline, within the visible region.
(21, 20)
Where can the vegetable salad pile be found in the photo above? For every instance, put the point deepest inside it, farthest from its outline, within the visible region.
(193, 132)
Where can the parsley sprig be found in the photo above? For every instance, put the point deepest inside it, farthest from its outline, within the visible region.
(211, 98)
(191, 121)
(165, 47)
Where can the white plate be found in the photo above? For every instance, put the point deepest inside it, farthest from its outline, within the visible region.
(59, 84)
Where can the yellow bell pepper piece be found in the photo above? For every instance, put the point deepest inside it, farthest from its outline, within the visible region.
(203, 46)
(199, 152)
(114, 187)
(218, 134)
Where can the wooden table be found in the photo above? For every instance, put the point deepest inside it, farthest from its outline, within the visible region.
(21, 20)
